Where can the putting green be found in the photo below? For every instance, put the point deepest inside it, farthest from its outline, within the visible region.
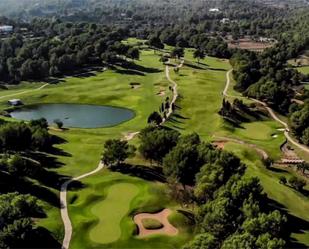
(110, 212)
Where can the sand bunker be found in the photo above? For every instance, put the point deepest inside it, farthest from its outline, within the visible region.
(161, 93)
(162, 217)
(219, 144)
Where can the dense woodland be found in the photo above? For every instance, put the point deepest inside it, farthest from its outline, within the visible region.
(233, 211)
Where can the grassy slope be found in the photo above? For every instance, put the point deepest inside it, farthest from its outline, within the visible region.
(88, 203)
(201, 91)
(84, 146)
(202, 95)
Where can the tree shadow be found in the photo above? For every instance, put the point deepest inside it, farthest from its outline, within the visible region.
(294, 224)
(140, 68)
(217, 69)
(47, 161)
(128, 71)
(144, 172)
(277, 170)
(42, 238)
(194, 66)
(179, 116)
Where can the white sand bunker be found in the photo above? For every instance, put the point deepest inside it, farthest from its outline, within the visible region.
(162, 217)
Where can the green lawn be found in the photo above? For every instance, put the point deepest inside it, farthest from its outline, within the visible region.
(303, 69)
(104, 212)
(106, 198)
(201, 97)
(294, 203)
(92, 207)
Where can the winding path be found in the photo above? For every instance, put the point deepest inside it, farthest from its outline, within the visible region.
(174, 87)
(68, 230)
(23, 92)
(271, 113)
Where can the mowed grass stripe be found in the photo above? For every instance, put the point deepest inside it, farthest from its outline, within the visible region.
(111, 211)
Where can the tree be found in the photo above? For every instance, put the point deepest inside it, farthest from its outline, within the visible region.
(183, 161)
(203, 241)
(117, 151)
(297, 183)
(283, 180)
(178, 52)
(199, 55)
(157, 142)
(133, 53)
(58, 123)
(20, 167)
(155, 118)
(303, 167)
(155, 43)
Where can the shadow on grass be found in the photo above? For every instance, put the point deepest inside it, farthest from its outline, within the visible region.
(144, 172)
(294, 225)
(195, 66)
(42, 238)
(217, 69)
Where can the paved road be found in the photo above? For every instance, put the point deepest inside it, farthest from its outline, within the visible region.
(64, 187)
(271, 113)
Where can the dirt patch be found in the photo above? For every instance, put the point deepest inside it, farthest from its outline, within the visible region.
(161, 93)
(162, 217)
(135, 85)
(219, 144)
(249, 44)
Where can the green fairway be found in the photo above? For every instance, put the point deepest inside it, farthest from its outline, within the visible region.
(103, 212)
(303, 69)
(201, 89)
(111, 211)
(294, 203)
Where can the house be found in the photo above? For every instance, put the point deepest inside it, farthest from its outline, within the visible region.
(214, 10)
(15, 102)
(225, 20)
(6, 29)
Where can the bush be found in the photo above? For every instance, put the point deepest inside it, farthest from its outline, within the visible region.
(58, 123)
(297, 183)
(283, 180)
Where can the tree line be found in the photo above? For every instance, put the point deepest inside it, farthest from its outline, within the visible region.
(60, 48)
(232, 209)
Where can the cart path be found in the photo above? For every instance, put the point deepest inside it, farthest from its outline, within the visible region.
(271, 113)
(68, 230)
(23, 92)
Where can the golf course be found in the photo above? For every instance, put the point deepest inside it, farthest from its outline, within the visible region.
(102, 206)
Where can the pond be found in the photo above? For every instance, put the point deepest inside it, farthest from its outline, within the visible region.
(75, 115)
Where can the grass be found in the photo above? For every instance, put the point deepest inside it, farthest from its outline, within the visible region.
(303, 69)
(201, 89)
(290, 201)
(151, 224)
(118, 200)
(83, 146)
(113, 199)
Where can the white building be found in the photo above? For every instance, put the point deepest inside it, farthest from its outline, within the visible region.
(15, 102)
(6, 29)
(214, 10)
